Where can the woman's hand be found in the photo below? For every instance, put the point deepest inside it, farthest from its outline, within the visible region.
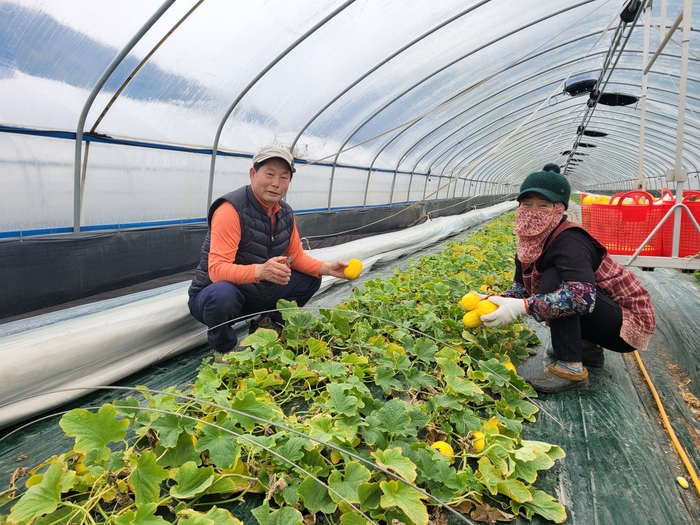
(508, 311)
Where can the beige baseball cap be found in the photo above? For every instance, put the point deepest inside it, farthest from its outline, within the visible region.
(269, 152)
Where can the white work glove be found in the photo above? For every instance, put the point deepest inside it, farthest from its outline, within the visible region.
(508, 311)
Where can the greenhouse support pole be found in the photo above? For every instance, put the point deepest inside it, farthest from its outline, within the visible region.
(77, 186)
(640, 184)
(252, 83)
(679, 173)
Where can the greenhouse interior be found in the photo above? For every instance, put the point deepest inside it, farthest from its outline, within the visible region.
(399, 140)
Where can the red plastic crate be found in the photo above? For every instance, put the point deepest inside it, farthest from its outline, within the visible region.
(585, 213)
(622, 228)
(690, 238)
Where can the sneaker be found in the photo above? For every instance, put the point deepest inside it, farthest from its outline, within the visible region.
(265, 321)
(592, 355)
(554, 380)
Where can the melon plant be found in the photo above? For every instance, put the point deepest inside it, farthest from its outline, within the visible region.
(348, 414)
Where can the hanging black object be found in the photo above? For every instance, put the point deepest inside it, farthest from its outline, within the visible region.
(580, 86)
(617, 99)
(591, 133)
(630, 11)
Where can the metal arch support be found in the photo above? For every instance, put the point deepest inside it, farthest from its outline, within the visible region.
(460, 128)
(507, 88)
(426, 78)
(450, 147)
(252, 83)
(382, 63)
(632, 142)
(77, 186)
(466, 124)
(413, 146)
(516, 148)
(367, 120)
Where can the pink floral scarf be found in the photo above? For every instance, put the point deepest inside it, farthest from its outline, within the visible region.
(533, 227)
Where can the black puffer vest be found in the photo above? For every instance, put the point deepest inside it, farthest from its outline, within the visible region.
(258, 243)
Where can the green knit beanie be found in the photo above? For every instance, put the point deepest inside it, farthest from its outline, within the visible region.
(551, 185)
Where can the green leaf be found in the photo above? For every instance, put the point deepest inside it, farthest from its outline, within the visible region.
(179, 454)
(261, 338)
(341, 324)
(339, 401)
(248, 404)
(323, 428)
(489, 475)
(515, 490)
(169, 428)
(542, 504)
(534, 456)
(392, 417)
(370, 496)
(213, 517)
(302, 319)
(450, 367)
(333, 370)
(146, 478)
(315, 497)
(282, 516)
(465, 387)
(346, 483)
(42, 498)
(521, 407)
(418, 379)
(447, 402)
(397, 494)
(92, 432)
(353, 518)
(425, 350)
(129, 407)
(353, 359)
(442, 289)
(290, 449)
(317, 347)
(392, 459)
(221, 445)
(191, 480)
(385, 379)
(144, 515)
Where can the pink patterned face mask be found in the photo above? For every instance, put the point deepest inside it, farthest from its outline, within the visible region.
(533, 227)
(533, 222)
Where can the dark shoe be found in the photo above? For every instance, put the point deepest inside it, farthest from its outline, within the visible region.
(554, 380)
(267, 322)
(592, 355)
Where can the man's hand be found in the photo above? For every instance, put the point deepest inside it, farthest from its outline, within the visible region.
(508, 311)
(274, 270)
(334, 269)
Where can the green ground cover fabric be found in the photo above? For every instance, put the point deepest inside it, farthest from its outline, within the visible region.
(620, 466)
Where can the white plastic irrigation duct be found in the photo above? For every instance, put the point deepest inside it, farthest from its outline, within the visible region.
(104, 342)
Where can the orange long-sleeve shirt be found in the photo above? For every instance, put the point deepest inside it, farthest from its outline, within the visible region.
(225, 236)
